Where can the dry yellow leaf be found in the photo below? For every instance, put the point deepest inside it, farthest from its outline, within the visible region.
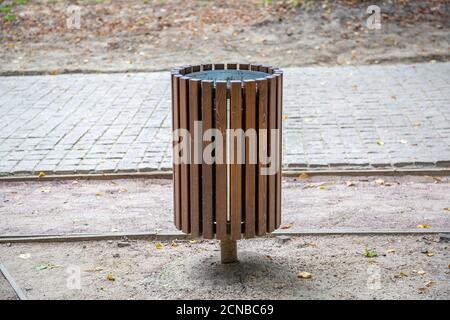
(402, 141)
(174, 244)
(98, 194)
(403, 274)
(41, 174)
(158, 245)
(379, 181)
(304, 275)
(303, 175)
(421, 272)
(96, 269)
(429, 283)
(322, 187)
(447, 209)
(269, 258)
(46, 190)
(437, 179)
(379, 142)
(390, 251)
(430, 254)
(192, 241)
(110, 277)
(123, 190)
(350, 183)
(286, 226)
(285, 117)
(54, 72)
(423, 226)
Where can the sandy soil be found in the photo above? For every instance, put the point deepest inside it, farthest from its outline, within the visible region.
(267, 270)
(6, 291)
(141, 205)
(152, 35)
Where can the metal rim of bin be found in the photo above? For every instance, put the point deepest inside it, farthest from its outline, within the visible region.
(227, 202)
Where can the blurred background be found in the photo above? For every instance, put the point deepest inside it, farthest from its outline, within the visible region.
(57, 36)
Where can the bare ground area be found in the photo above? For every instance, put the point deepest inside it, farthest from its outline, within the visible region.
(153, 35)
(407, 267)
(145, 205)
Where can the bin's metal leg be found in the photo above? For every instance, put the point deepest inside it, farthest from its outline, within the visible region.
(228, 251)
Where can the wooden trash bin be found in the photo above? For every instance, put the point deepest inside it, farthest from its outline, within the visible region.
(228, 199)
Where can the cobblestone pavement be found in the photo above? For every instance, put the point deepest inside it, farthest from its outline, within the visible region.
(346, 117)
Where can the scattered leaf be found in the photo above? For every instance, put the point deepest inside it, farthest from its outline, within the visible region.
(287, 226)
(423, 226)
(430, 254)
(75, 182)
(192, 241)
(303, 175)
(41, 174)
(46, 190)
(390, 251)
(350, 183)
(123, 190)
(110, 277)
(96, 269)
(429, 283)
(446, 209)
(25, 256)
(44, 266)
(54, 72)
(403, 274)
(285, 117)
(370, 253)
(437, 179)
(304, 275)
(98, 194)
(379, 181)
(269, 257)
(322, 187)
(421, 272)
(423, 290)
(174, 244)
(402, 141)
(379, 142)
(158, 245)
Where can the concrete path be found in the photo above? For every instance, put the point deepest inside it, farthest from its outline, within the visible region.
(346, 117)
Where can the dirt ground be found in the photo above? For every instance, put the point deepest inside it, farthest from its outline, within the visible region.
(154, 35)
(145, 205)
(6, 291)
(407, 267)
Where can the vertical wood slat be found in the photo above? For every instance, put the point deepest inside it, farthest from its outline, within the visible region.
(250, 168)
(280, 144)
(195, 169)
(262, 149)
(176, 167)
(236, 167)
(184, 124)
(207, 169)
(221, 168)
(271, 179)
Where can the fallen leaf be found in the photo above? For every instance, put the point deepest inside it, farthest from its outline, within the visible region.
(370, 253)
(421, 272)
(379, 142)
(423, 226)
(285, 117)
(96, 269)
(41, 174)
(98, 194)
(437, 179)
(123, 190)
(350, 183)
(192, 241)
(303, 175)
(54, 72)
(46, 190)
(403, 141)
(287, 226)
(379, 181)
(44, 266)
(304, 275)
(430, 254)
(75, 182)
(158, 245)
(423, 290)
(403, 274)
(269, 258)
(393, 97)
(174, 244)
(446, 209)
(25, 256)
(322, 187)
(390, 251)
(110, 277)
(429, 283)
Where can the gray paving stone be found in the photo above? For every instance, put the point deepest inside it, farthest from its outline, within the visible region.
(122, 122)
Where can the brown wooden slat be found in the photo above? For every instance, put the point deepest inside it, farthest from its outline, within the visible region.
(271, 179)
(206, 67)
(255, 67)
(250, 169)
(195, 169)
(262, 179)
(236, 168)
(184, 123)
(176, 167)
(219, 66)
(196, 68)
(244, 66)
(232, 66)
(207, 169)
(263, 69)
(280, 144)
(221, 169)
